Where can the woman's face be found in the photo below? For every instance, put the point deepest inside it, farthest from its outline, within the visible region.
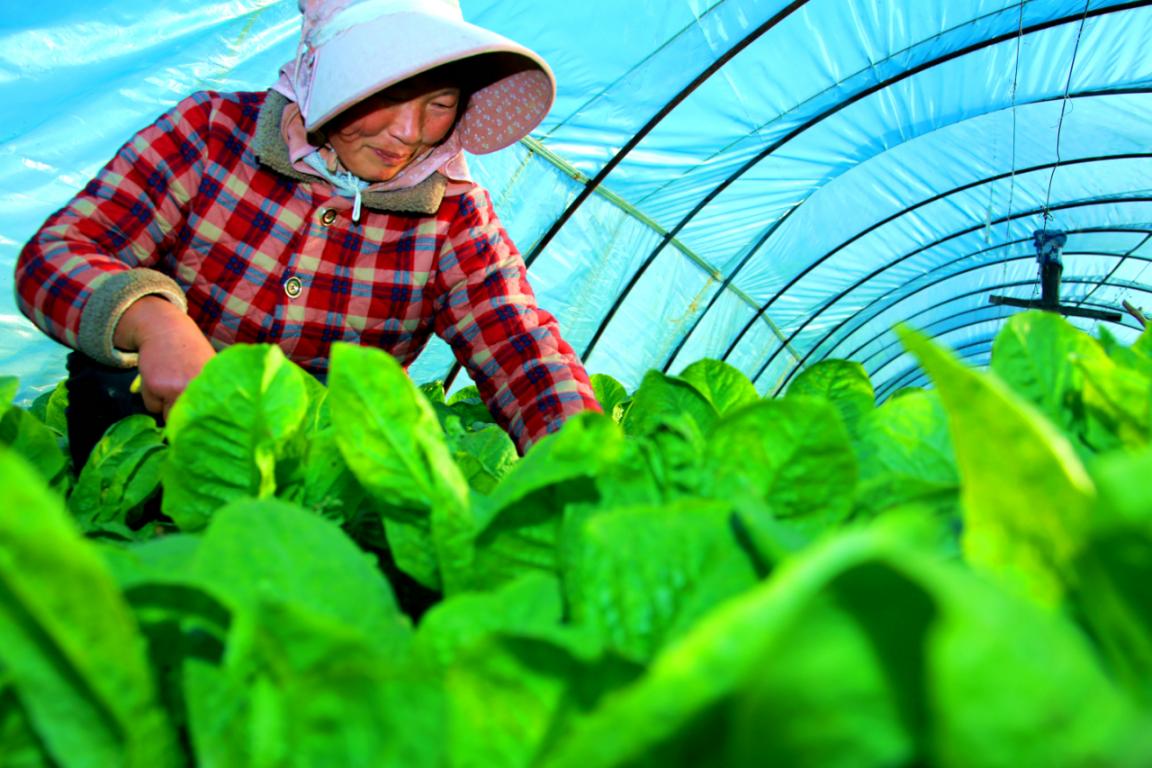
(380, 136)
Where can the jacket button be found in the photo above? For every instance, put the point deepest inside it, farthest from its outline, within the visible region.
(293, 287)
(328, 217)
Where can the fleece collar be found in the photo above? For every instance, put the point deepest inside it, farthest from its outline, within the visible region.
(269, 146)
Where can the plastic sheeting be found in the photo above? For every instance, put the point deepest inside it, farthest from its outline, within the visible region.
(765, 182)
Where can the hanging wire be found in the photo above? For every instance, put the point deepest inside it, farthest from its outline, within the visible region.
(1008, 218)
(1064, 108)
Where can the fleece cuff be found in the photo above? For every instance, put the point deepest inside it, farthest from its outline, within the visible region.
(109, 300)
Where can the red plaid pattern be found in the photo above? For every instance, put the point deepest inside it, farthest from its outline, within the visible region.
(187, 196)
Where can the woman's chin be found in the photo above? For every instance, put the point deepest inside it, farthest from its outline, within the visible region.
(378, 173)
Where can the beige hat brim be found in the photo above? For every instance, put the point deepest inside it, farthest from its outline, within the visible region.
(367, 58)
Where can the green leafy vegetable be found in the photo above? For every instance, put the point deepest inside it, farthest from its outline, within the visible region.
(392, 441)
(228, 429)
(610, 393)
(842, 382)
(904, 452)
(793, 454)
(368, 573)
(121, 475)
(72, 650)
(639, 576)
(725, 387)
(1026, 496)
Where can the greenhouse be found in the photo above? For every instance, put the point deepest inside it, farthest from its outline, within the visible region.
(851, 469)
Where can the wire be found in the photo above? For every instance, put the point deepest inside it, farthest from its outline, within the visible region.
(1015, 81)
(1012, 177)
(1063, 109)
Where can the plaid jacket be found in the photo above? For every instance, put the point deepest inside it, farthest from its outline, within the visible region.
(205, 207)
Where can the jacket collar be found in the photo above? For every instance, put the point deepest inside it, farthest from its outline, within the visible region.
(269, 147)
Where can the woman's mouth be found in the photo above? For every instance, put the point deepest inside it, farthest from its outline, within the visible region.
(390, 158)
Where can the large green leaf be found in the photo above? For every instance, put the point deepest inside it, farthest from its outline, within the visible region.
(468, 393)
(610, 393)
(122, 473)
(666, 402)
(515, 671)
(1123, 354)
(183, 621)
(588, 443)
(314, 632)
(271, 551)
(1116, 564)
(167, 558)
(1027, 499)
(638, 576)
(1099, 396)
(906, 457)
(393, 443)
(9, 387)
(500, 704)
(39, 445)
(181, 613)
(18, 743)
(1113, 571)
(484, 456)
(304, 458)
(324, 483)
(228, 429)
(71, 646)
(862, 651)
(1036, 354)
(778, 672)
(844, 383)
(1002, 671)
(529, 606)
(51, 408)
(723, 385)
(306, 690)
(792, 453)
(255, 600)
(519, 524)
(160, 581)
(668, 418)
(463, 410)
(1117, 403)
(1097, 392)
(508, 697)
(434, 391)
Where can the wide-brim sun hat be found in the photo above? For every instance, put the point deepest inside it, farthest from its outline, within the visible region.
(352, 49)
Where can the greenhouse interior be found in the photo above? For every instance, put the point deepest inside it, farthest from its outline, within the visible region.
(842, 458)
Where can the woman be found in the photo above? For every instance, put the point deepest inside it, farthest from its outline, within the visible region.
(337, 206)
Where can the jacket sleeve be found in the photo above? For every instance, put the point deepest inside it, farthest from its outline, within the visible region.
(105, 249)
(529, 377)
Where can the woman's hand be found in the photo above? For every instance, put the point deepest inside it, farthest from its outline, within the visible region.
(171, 346)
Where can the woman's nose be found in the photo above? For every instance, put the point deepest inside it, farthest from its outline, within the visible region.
(406, 122)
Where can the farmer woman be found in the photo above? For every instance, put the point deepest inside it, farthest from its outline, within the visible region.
(336, 206)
